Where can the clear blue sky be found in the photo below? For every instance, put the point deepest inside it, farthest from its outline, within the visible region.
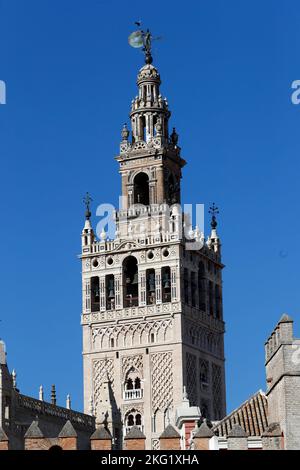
(227, 68)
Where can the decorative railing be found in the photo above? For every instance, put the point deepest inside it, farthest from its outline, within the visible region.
(130, 312)
(139, 209)
(133, 394)
(110, 245)
(44, 408)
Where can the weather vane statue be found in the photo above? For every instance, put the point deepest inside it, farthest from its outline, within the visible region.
(213, 210)
(142, 39)
(87, 202)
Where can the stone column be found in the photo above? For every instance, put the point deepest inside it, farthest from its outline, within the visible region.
(86, 296)
(160, 185)
(118, 291)
(173, 284)
(102, 287)
(158, 285)
(142, 289)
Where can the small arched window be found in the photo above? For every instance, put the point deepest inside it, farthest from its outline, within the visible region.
(130, 420)
(129, 384)
(137, 383)
(138, 420)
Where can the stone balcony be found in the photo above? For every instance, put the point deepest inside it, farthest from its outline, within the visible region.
(134, 394)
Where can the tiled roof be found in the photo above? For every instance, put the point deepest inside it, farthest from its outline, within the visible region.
(3, 436)
(68, 430)
(169, 432)
(101, 433)
(251, 416)
(34, 431)
(135, 433)
(204, 431)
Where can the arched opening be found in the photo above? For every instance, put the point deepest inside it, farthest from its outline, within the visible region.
(55, 448)
(133, 385)
(137, 383)
(95, 294)
(201, 287)
(142, 128)
(218, 302)
(211, 298)
(166, 284)
(110, 292)
(193, 288)
(173, 192)
(133, 418)
(141, 189)
(204, 409)
(138, 420)
(131, 291)
(129, 384)
(166, 417)
(150, 276)
(186, 286)
(204, 375)
(130, 420)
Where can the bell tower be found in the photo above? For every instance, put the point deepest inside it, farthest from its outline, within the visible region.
(152, 308)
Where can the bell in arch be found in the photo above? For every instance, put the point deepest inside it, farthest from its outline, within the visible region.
(111, 288)
(151, 282)
(135, 279)
(166, 281)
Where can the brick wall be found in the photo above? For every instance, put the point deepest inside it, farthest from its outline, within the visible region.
(4, 445)
(135, 444)
(68, 443)
(201, 443)
(169, 443)
(101, 444)
(36, 443)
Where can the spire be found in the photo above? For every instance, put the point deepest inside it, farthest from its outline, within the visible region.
(68, 402)
(2, 352)
(53, 395)
(14, 378)
(34, 431)
(68, 430)
(41, 393)
(91, 407)
(87, 202)
(213, 210)
(185, 395)
(87, 236)
(213, 239)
